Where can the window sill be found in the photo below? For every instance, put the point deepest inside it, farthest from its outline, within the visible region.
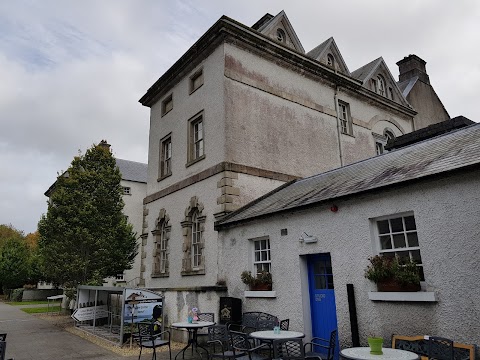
(191, 162)
(260, 294)
(164, 176)
(418, 296)
(159, 275)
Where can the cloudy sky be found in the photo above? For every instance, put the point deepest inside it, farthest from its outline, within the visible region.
(71, 72)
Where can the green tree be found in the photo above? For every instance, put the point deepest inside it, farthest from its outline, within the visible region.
(14, 263)
(84, 237)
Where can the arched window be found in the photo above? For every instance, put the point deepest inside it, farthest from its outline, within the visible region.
(281, 35)
(330, 60)
(161, 236)
(193, 241)
(380, 85)
(196, 235)
(389, 135)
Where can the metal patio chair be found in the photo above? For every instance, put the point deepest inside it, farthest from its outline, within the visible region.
(241, 342)
(440, 348)
(219, 343)
(148, 339)
(318, 343)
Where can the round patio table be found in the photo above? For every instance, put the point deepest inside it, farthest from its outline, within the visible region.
(192, 329)
(270, 335)
(363, 353)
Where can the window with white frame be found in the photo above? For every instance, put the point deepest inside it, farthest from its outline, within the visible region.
(330, 60)
(344, 117)
(397, 237)
(196, 139)
(127, 190)
(165, 157)
(261, 255)
(196, 241)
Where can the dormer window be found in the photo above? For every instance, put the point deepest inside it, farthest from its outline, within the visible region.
(280, 35)
(380, 85)
(330, 60)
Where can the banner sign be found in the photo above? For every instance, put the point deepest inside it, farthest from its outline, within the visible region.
(90, 313)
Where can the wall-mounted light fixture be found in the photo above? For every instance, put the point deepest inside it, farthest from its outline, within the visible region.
(307, 239)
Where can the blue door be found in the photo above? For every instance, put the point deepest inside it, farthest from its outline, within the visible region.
(322, 298)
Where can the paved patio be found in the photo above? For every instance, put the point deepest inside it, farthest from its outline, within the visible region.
(32, 338)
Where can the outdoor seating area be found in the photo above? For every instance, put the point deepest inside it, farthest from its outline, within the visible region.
(433, 347)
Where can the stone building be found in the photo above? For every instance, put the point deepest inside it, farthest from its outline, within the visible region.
(243, 111)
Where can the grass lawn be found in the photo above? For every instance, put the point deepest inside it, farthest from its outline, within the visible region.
(16, 303)
(43, 309)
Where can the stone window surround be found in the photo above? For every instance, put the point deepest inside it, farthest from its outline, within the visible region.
(193, 84)
(349, 123)
(167, 105)
(161, 166)
(191, 159)
(162, 220)
(194, 206)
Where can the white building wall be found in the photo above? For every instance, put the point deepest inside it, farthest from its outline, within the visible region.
(447, 218)
(280, 120)
(134, 210)
(209, 99)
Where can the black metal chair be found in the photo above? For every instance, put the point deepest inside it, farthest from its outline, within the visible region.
(318, 343)
(147, 338)
(284, 324)
(440, 348)
(202, 333)
(288, 349)
(241, 343)
(3, 349)
(219, 342)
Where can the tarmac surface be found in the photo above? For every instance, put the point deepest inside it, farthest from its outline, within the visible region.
(32, 338)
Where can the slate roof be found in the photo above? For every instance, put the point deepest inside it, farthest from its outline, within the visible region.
(315, 52)
(132, 170)
(452, 151)
(428, 132)
(407, 85)
(363, 72)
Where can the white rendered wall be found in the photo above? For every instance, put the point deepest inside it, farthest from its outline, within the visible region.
(448, 226)
(209, 99)
(280, 120)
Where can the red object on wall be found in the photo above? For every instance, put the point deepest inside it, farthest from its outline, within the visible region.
(334, 208)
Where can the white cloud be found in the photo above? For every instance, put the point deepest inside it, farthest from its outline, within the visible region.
(72, 72)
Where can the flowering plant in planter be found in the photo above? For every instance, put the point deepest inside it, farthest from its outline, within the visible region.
(392, 274)
(263, 280)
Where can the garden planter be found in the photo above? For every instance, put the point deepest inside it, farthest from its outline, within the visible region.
(261, 287)
(392, 285)
(375, 345)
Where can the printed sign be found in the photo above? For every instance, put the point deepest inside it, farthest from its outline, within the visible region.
(143, 311)
(90, 313)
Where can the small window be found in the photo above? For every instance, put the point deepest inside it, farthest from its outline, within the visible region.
(120, 277)
(127, 190)
(390, 92)
(389, 136)
(281, 35)
(167, 105)
(397, 237)
(330, 60)
(379, 147)
(345, 118)
(196, 241)
(196, 80)
(381, 85)
(196, 139)
(261, 255)
(166, 157)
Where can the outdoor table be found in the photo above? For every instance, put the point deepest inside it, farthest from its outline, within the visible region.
(270, 335)
(363, 353)
(192, 329)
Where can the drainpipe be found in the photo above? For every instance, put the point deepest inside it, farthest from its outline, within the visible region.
(338, 127)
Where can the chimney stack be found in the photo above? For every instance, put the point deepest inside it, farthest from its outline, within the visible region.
(411, 66)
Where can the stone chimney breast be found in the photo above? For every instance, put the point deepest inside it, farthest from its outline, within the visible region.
(411, 66)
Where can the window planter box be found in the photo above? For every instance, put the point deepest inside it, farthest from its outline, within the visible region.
(393, 286)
